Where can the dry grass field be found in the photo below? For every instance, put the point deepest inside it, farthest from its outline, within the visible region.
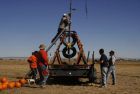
(128, 80)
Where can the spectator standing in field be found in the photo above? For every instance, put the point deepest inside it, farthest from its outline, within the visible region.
(43, 65)
(111, 69)
(63, 25)
(33, 65)
(104, 67)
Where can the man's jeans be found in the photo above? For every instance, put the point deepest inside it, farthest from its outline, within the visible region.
(111, 71)
(43, 72)
(104, 75)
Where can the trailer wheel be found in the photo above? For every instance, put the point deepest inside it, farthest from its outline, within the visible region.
(92, 75)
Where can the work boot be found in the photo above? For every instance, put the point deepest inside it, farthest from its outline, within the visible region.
(42, 86)
(103, 86)
(113, 83)
(91, 84)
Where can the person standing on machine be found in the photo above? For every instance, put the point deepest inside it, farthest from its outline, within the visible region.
(63, 25)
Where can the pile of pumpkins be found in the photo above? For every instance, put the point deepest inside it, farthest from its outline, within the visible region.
(5, 84)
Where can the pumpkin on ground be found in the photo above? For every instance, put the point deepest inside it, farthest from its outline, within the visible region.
(4, 79)
(11, 85)
(1, 88)
(6, 83)
(22, 81)
(17, 84)
(4, 86)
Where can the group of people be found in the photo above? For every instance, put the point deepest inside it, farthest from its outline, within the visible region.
(39, 59)
(107, 67)
(38, 62)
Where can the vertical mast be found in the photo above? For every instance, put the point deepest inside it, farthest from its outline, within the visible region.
(86, 9)
(70, 10)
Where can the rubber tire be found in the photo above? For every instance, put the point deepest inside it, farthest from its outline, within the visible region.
(74, 39)
(64, 52)
(92, 75)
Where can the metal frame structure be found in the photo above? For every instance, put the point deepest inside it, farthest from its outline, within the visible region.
(65, 69)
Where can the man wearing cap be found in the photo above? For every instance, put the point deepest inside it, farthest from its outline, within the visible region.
(111, 69)
(42, 65)
(64, 24)
(104, 67)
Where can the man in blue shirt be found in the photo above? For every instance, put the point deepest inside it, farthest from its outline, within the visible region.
(104, 67)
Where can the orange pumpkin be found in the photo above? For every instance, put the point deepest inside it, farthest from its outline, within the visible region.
(11, 85)
(1, 88)
(22, 81)
(6, 83)
(4, 79)
(17, 84)
(4, 86)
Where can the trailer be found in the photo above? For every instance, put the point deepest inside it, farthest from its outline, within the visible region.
(70, 47)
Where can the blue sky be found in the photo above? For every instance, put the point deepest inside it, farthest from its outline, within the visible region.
(111, 24)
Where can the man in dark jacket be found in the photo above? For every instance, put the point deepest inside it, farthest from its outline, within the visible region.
(104, 66)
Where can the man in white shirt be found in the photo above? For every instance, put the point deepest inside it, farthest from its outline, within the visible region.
(111, 69)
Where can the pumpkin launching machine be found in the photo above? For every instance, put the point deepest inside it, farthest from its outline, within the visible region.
(69, 58)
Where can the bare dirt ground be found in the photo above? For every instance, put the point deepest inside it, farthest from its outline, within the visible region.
(128, 80)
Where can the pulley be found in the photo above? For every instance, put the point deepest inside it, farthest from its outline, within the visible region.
(72, 35)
